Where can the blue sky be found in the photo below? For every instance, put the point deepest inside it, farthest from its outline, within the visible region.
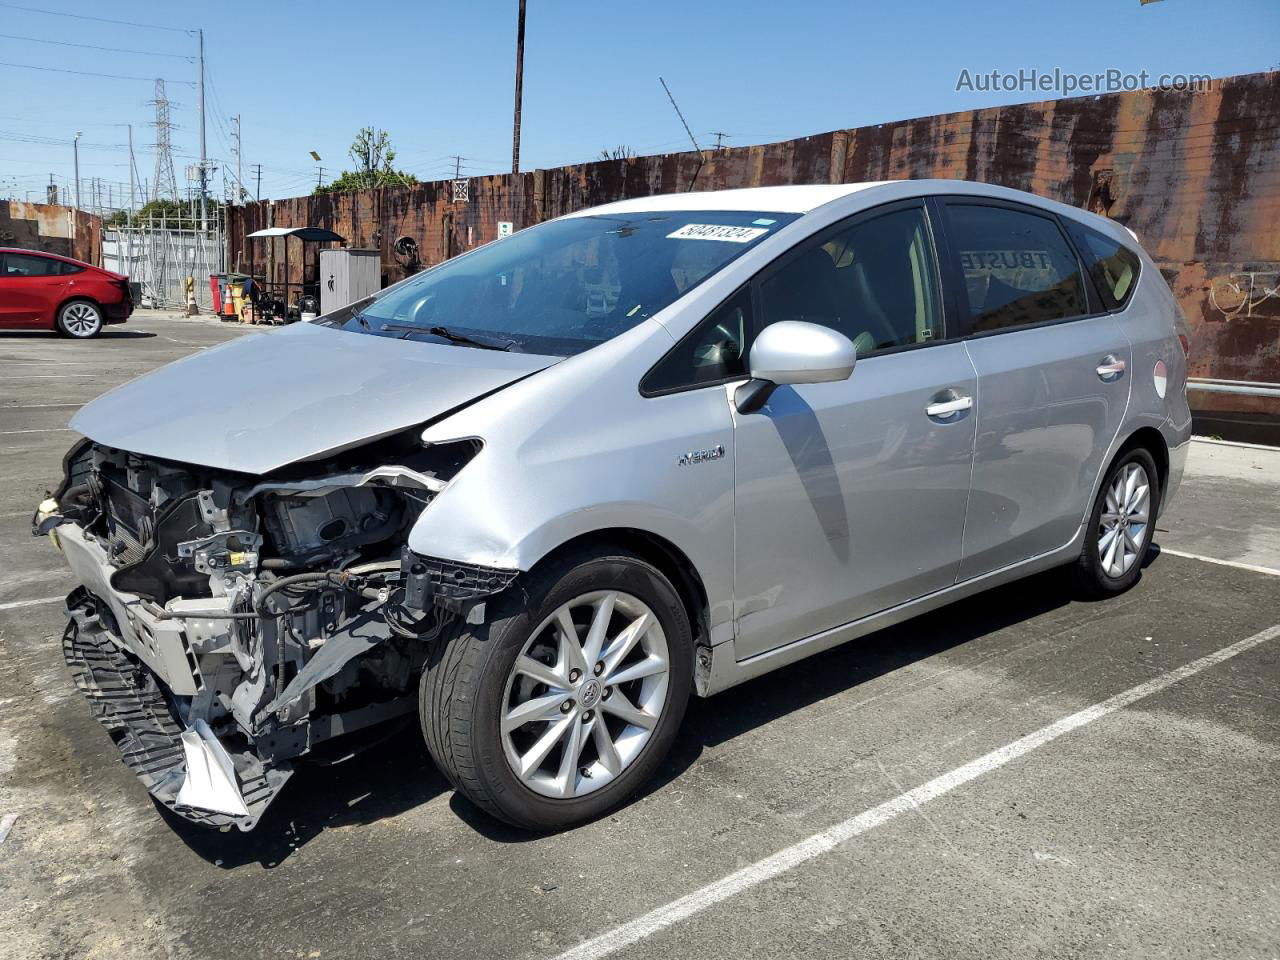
(438, 77)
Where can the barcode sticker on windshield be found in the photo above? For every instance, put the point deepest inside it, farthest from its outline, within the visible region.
(714, 231)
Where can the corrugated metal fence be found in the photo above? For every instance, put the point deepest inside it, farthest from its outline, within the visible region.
(1195, 174)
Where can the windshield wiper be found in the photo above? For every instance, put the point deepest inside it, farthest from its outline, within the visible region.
(471, 340)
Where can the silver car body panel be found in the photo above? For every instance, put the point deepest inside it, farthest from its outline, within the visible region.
(577, 449)
(581, 450)
(1043, 430)
(265, 400)
(850, 498)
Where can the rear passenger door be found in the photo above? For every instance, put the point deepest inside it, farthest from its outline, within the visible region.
(1053, 379)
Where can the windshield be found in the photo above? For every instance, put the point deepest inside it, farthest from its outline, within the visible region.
(565, 286)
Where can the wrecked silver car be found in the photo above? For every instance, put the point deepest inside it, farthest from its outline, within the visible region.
(543, 492)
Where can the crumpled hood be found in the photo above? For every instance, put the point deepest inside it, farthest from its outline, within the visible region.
(269, 399)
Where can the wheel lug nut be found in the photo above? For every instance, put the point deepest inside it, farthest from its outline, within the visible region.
(575, 676)
(599, 668)
(586, 717)
(566, 706)
(606, 693)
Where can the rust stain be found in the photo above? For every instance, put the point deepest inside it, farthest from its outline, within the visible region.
(51, 228)
(1195, 175)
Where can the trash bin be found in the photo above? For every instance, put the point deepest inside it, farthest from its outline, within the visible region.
(217, 283)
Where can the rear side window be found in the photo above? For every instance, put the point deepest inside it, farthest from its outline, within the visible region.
(66, 269)
(1114, 268)
(1019, 270)
(25, 265)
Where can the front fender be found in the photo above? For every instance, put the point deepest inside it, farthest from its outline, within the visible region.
(577, 450)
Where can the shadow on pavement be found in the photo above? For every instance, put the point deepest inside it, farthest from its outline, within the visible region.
(382, 781)
(761, 701)
(107, 334)
(398, 775)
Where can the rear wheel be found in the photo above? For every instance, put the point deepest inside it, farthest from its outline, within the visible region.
(80, 319)
(1118, 534)
(563, 703)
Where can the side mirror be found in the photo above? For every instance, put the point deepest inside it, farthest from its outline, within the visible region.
(793, 351)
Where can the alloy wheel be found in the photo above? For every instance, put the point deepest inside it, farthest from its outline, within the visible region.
(81, 319)
(585, 694)
(1123, 526)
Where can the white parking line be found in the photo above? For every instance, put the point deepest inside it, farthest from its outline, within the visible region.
(1222, 563)
(15, 604)
(10, 433)
(820, 843)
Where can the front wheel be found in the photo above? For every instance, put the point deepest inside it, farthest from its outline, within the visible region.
(1118, 533)
(565, 700)
(80, 319)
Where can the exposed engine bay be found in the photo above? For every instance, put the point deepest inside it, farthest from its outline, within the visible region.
(229, 624)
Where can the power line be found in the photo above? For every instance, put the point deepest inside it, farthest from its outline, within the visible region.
(90, 46)
(84, 73)
(81, 16)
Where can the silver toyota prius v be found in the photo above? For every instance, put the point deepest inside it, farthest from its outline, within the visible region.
(544, 492)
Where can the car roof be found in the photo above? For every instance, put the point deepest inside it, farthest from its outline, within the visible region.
(51, 256)
(807, 198)
(800, 198)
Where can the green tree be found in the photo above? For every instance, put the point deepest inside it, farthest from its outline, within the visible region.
(374, 159)
(175, 213)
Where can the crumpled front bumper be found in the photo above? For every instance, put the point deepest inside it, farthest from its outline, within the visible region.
(130, 703)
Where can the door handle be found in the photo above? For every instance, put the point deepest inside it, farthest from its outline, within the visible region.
(948, 408)
(1111, 368)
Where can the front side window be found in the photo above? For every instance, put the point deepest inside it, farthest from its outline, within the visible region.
(565, 286)
(875, 282)
(1018, 268)
(1113, 267)
(25, 265)
(712, 353)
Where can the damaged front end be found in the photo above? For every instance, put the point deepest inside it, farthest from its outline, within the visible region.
(227, 624)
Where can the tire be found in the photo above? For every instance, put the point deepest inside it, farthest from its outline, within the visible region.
(472, 681)
(80, 319)
(1107, 567)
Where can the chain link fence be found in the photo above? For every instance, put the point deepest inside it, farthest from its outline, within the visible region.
(159, 260)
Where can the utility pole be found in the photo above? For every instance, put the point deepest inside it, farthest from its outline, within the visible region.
(319, 177)
(257, 194)
(75, 146)
(720, 135)
(239, 171)
(457, 167)
(204, 173)
(515, 129)
(133, 182)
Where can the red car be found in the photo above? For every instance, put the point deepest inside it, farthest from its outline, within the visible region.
(43, 291)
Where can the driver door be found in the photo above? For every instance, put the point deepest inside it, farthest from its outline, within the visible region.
(850, 497)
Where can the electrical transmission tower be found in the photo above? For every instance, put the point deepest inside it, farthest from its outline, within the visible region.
(164, 178)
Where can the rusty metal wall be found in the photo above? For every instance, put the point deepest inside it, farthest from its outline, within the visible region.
(1196, 175)
(52, 229)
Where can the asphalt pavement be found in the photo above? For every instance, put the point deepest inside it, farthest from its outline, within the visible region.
(1019, 775)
